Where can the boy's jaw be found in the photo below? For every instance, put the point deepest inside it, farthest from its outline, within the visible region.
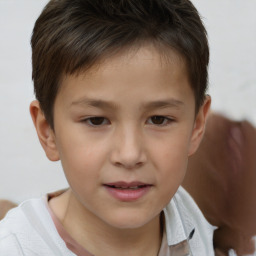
(127, 191)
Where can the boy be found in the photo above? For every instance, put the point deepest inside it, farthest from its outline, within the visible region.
(120, 88)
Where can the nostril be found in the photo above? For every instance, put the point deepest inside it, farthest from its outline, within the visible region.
(129, 166)
(118, 164)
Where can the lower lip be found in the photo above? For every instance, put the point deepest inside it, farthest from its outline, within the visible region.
(128, 195)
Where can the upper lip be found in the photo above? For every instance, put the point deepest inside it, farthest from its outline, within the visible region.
(123, 184)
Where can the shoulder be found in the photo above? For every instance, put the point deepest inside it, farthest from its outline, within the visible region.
(27, 230)
(12, 231)
(16, 229)
(197, 230)
(17, 218)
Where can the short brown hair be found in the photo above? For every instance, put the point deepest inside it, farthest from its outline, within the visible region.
(71, 35)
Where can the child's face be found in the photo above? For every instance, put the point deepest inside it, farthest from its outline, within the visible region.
(124, 131)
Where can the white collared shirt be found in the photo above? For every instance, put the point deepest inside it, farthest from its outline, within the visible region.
(185, 222)
(29, 230)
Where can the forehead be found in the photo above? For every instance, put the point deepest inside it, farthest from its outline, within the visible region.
(128, 72)
(160, 56)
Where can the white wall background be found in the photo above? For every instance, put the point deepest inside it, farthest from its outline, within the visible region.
(25, 171)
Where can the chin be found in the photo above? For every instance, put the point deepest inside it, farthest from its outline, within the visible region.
(129, 221)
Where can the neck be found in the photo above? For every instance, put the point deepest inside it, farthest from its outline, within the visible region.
(88, 230)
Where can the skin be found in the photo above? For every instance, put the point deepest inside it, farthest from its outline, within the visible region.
(148, 131)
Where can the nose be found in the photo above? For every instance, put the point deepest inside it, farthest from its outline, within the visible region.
(128, 149)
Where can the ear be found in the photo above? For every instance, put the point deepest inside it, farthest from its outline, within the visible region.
(199, 125)
(44, 132)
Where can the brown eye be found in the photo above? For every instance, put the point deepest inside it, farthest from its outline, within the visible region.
(96, 121)
(159, 120)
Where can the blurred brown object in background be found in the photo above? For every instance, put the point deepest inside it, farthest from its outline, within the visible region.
(221, 178)
(5, 206)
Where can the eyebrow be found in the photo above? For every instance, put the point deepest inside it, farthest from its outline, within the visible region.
(166, 103)
(95, 103)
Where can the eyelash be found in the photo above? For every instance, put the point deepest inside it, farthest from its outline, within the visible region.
(104, 121)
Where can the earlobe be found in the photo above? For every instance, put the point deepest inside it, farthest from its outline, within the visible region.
(199, 125)
(44, 131)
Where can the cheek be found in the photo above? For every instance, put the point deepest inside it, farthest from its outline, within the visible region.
(174, 168)
(171, 158)
(172, 150)
(81, 160)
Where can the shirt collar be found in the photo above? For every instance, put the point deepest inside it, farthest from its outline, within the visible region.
(177, 230)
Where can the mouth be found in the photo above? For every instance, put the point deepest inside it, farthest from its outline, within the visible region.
(127, 186)
(127, 191)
